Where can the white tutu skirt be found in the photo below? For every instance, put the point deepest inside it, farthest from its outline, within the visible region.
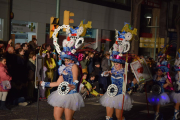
(70, 101)
(161, 99)
(116, 102)
(175, 97)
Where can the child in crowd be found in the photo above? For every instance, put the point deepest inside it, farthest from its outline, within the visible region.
(82, 88)
(94, 84)
(89, 88)
(4, 82)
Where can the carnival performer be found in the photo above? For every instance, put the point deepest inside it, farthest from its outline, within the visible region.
(73, 100)
(117, 78)
(67, 98)
(160, 82)
(175, 95)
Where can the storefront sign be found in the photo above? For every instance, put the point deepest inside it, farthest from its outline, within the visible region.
(22, 29)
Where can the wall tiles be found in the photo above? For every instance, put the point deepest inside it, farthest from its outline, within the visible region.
(96, 24)
(41, 28)
(51, 9)
(37, 17)
(21, 15)
(22, 4)
(41, 38)
(53, 2)
(77, 5)
(38, 7)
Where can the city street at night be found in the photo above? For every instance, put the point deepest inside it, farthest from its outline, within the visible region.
(91, 111)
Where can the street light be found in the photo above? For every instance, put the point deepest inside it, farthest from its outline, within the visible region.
(149, 16)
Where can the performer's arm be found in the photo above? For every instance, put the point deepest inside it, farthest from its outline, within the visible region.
(75, 72)
(52, 84)
(167, 84)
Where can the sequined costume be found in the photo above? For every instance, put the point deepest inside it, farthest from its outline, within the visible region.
(159, 98)
(73, 100)
(116, 102)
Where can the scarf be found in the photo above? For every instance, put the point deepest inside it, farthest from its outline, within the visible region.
(30, 59)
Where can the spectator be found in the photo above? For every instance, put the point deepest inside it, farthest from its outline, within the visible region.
(26, 52)
(97, 71)
(17, 46)
(84, 63)
(91, 63)
(106, 66)
(50, 65)
(4, 81)
(94, 84)
(83, 88)
(48, 47)
(33, 44)
(31, 75)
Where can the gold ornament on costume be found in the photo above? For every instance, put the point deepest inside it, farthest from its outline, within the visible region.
(127, 28)
(168, 57)
(85, 26)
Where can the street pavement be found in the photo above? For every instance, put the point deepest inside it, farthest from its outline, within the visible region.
(92, 111)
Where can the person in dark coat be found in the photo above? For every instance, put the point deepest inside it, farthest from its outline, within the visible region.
(31, 75)
(106, 66)
(91, 63)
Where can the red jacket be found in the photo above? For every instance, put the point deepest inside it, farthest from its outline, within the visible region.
(4, 76)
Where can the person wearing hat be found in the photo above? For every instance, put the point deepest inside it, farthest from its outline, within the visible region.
(70, 101)
(160, 82)
(115, 102)
(175, 95)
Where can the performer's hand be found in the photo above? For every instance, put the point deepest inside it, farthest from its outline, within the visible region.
(106, 73)
(71, 86)
(94, 87)
(40, 82)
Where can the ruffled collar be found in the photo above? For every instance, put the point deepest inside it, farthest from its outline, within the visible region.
(114, 71)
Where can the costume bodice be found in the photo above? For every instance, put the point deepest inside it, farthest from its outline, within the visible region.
(117, 79)
(68, 77)
(160, 82)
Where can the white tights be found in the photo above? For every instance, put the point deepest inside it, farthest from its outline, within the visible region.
(3, 96)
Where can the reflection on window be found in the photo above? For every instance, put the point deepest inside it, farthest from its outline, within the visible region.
(1, 29)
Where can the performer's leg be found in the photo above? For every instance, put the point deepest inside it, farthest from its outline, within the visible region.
(157, 108)
(118, 114)
(69, 114)
(177, 106)
(176, 111)
(109, 111)
(58, 112)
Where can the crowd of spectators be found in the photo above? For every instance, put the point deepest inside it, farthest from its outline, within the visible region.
(20, 70)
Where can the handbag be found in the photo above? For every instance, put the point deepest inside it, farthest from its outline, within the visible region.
(6, 85)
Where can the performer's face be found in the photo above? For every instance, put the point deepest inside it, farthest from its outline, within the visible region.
(159, 72)
(67, 61)
(118, 66)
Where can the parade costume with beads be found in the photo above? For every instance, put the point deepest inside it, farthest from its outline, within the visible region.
(117, 78)
(116, 102)
(175, 95)
(160, 97)
(72, 100)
